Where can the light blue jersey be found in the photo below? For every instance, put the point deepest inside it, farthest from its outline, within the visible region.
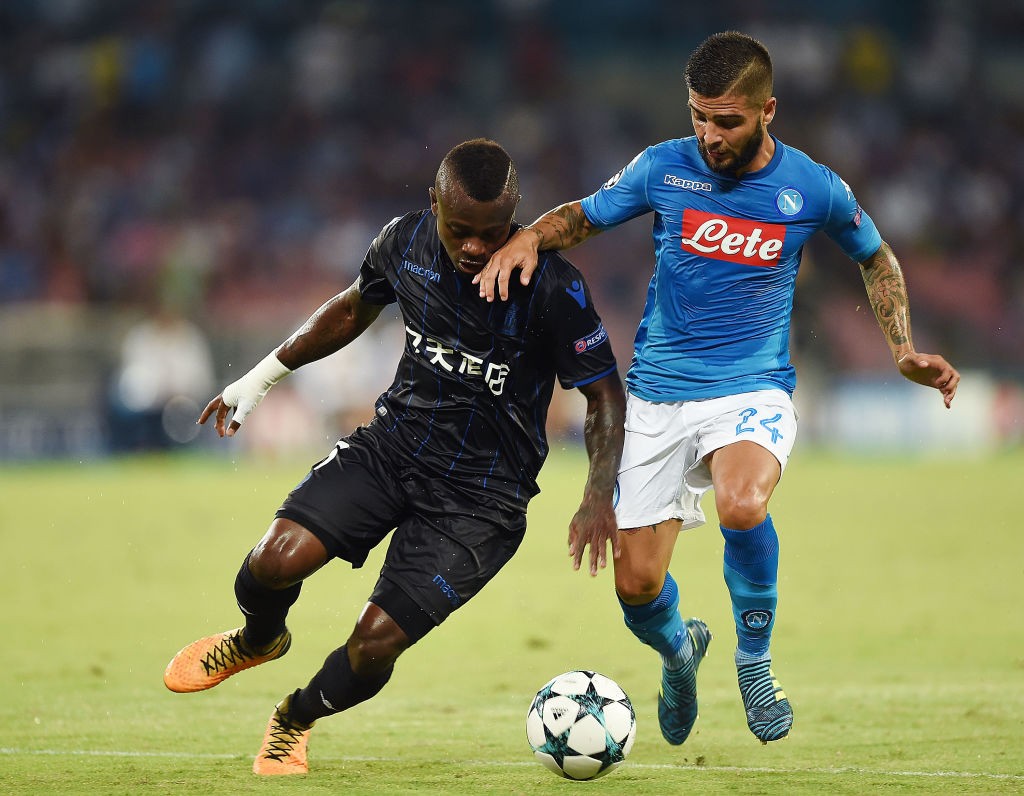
(726, 255)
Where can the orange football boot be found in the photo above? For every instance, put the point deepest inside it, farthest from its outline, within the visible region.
(284, 745)
(206, 662)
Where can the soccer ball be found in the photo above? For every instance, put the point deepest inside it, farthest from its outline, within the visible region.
(581, 725)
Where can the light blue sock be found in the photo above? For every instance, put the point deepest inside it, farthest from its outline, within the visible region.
(658, 624)
(751, 569)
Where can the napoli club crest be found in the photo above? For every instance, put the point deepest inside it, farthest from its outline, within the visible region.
(757, 619)
(789, 201)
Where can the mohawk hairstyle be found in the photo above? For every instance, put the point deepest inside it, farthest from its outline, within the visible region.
(482, 168)
(730, 62)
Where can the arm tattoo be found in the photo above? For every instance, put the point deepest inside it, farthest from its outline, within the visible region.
(564, 227)
(887, 294)
(603, 431)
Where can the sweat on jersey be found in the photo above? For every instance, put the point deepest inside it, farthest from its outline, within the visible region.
(470, 397)
(726, 251)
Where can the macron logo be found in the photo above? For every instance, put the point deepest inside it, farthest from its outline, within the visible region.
(576, 291)
(419, 270)
(447, 590)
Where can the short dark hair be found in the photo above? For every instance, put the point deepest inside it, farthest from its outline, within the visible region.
(482, 168)
(730, 62)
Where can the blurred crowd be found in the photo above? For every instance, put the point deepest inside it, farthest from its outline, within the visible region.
(229, 161)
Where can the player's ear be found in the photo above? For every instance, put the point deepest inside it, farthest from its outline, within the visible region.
(433, 199)
(768, 110)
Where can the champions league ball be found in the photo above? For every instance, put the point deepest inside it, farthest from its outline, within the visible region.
(581, 725)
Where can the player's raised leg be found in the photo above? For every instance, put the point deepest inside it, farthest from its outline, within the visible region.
(267, 584)
(745, 476)
(210, 660)
(649, 598)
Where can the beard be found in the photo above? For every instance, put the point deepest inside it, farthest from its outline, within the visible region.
(742, 158)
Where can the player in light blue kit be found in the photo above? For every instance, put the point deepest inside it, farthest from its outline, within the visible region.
(711, 382)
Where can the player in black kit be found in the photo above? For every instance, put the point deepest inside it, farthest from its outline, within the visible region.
(449, 461)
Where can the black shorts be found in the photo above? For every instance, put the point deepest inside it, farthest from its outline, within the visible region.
(446, 544)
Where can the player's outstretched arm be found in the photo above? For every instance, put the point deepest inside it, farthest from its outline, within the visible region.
(594, 523)
(887, 294)
(336, 324)
(562, 228)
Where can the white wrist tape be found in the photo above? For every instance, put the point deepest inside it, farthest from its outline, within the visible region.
(246, 393)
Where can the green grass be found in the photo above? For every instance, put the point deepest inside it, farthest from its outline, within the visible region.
(899, 641)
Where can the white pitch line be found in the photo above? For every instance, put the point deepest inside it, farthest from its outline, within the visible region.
(837, 771)
(875, 772)
(643, 766)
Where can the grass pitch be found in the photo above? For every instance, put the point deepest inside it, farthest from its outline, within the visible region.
(899, 641)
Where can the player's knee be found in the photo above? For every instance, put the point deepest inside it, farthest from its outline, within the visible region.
(639, 586)
(273, 568)
(741, 510)
(285, 556)
(375, 645)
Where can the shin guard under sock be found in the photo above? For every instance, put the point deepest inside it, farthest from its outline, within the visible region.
(334, 688)
(657, 623)
(265, 609)
(751, 569)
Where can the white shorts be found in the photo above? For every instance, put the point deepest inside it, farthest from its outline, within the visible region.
(663, 475)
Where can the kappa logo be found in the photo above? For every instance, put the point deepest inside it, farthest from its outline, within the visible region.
(735, 240)
(687, 185)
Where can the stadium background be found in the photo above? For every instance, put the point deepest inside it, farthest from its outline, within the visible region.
(225, 163)
(183, 181)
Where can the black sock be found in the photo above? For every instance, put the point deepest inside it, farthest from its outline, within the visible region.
(265, 609)
(334, 688)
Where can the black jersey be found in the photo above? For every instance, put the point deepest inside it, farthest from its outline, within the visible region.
(470, 397)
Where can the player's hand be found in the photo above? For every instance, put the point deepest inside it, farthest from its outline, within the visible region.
(520, 251)
(594, 525)
(244, 395)
(221, 407)
(931, 370)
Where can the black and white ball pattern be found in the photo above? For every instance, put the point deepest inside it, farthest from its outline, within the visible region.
(581, 725)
